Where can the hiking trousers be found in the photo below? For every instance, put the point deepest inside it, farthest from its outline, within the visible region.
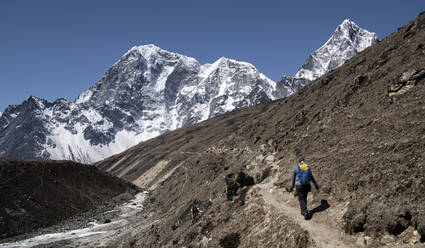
(302, 191)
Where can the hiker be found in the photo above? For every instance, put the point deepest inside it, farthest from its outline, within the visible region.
(301, 178)
(275, 145)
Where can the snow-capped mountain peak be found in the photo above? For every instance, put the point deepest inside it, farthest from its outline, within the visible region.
(347, 40)
(348, 22)
(147, 92)
(154, 54)
(150, 91)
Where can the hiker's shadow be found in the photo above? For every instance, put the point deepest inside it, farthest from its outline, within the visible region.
(322, 207)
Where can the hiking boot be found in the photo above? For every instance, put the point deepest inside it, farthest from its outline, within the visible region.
(307, 215)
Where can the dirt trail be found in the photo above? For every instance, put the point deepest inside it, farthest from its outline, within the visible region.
(324, 227)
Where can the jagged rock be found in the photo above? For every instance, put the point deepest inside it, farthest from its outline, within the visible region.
(357, 82)
(236, 181)
(373, 196)
(229, 214)
(387, 239)
(325, 80)
(421, 230)
(194, 213)
(358, 62)
(398, 220)
(368, 240)
(407, 75)
(326, 189)
(405, 81)
(411, 30)
(300, 119)
(418, 75)
(260, 176)
(361, 241)
(204, 241)
(354, 221)
(385, 56)
(191, 235)
(232, 186)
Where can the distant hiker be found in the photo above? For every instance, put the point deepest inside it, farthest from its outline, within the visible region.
(274, 143)
(301, 178)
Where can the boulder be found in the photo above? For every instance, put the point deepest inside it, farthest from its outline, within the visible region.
(354, 221)
(387, 239)
(236, 181)
(405, 81)
(361, 242)
(325, 80)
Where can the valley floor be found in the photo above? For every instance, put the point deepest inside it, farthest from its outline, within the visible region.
(126, 221)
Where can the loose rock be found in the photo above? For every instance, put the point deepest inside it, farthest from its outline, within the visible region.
(387, 239)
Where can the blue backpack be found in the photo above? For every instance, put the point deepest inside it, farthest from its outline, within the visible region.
(304, 174)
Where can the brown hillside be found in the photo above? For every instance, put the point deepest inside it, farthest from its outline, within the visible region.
(361, 127)
(35, 194)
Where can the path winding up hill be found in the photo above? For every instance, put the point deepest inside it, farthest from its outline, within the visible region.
(362, 129)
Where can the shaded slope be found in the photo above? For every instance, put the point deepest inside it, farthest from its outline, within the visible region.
(40, 193)
(361, 127)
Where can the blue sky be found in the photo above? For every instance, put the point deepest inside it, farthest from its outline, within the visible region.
(54, 49)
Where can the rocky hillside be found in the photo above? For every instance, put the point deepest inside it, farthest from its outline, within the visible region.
(36, 194)
(362, 129)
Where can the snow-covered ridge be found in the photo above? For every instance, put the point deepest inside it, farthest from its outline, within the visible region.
(347, 40)
(150, 91)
